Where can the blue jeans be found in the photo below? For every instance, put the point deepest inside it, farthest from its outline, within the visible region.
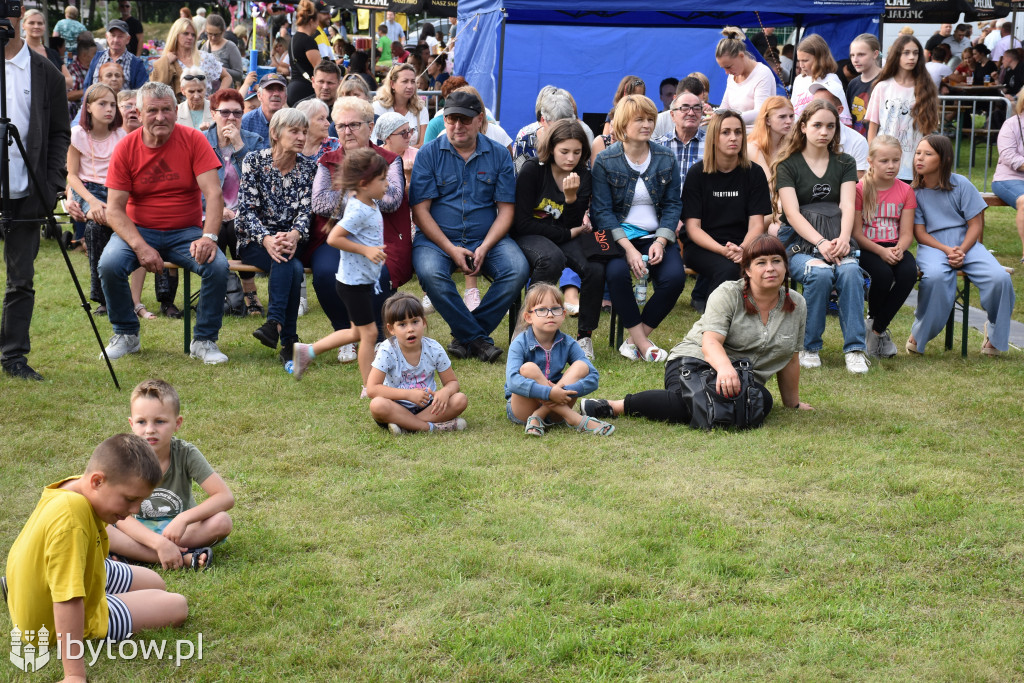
(284, 281)
(118, 262)
(504, 264)
(818, 283)
(1009, 191)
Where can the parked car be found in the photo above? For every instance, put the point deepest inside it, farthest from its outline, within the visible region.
(441, 25)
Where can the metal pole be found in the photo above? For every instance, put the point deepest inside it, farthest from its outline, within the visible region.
(796, 32)
(501, 66)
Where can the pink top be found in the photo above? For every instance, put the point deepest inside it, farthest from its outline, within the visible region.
(95, 153)
(1011, 150)
(884, 226)
(408, 156)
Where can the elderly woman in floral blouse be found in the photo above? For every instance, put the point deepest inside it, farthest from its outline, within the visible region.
(273, 221)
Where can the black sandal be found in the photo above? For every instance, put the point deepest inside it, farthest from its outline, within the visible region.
(170, 310)
(196, 553)
(252, 304)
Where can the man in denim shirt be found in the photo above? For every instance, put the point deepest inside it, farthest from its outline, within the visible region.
(462, 195)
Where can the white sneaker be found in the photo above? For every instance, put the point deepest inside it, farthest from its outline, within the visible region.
(303, 306)
(809, 359)
(428, 307)
(122, 345)
(472, 298)
(857, 362)
(455, 425)
(347, 354)
(628, 350)
(572, 310)
(587, 344)
(206, 351)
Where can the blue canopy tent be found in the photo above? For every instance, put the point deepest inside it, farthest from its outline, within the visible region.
(510, 49)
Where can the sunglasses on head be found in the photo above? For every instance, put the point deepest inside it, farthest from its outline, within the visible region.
(190, 77)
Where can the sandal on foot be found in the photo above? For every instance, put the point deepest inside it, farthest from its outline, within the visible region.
(912, 347)
(141, 312)
(591, 425)
(170, 311)
(534, 426)
(252, 304)
(655, 355)
(986, 346)
(196, 553)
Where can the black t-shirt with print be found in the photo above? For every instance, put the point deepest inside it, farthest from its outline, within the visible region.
(724, 202)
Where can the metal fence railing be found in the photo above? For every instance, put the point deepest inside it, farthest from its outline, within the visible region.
(973, 121)
(432, 98)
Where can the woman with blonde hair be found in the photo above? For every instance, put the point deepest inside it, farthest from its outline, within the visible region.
(771, 127)
(750, 82)
(817, 65)
(398, 94)
(34, 25)
(181, 52)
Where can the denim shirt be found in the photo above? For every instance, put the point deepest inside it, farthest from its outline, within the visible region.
(564, 352)
(615, 184)
(251, 142)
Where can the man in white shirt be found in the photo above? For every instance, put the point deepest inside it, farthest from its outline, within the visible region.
(850, 141)
(37, 105)
(1005, 42)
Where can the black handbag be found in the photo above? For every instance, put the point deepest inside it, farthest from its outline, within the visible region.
(827, 219)
(708, 408)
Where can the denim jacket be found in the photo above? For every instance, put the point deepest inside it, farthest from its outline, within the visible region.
(564, 352)
(250, 143)
(614, 184)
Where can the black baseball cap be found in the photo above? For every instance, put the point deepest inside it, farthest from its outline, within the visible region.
(120, 25)
(273, 79)
(322, 6)
(463, 103)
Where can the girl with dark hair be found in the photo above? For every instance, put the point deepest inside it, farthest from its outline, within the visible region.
(725, 201)
(948, 224)
(552, 197)
(811, 174)
(740, 316)
(905, 101)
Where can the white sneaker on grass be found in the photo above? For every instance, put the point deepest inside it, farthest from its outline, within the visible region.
(628, 350)
(587, 344)
(303, 306)
(121, 345)
(206, 350)
(347, 354)
(456, 425)
(810, 359)
(857, 362)
(428, 307)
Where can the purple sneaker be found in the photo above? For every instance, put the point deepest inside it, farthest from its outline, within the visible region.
(302, 354)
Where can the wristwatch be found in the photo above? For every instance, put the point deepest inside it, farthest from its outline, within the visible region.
(211, 235)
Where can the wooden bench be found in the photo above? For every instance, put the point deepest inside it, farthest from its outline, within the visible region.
(186, 315)
(992, 199)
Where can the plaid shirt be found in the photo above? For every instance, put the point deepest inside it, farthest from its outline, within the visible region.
(687, 153)
(78, 72)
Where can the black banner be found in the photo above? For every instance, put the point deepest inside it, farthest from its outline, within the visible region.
(944, 11)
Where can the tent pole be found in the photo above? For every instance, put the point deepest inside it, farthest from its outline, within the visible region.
(501, 66)
(799, 37)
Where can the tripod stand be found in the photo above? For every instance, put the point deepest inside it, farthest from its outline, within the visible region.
(9, 136)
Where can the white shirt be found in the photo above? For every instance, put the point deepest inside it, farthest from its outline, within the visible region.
(748, 96)
(1002, 45)
(856, 145)
(19, 104)
(938, 71)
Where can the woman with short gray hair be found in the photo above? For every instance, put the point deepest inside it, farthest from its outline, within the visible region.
(273, 221)
(318, 140)
(194, 112)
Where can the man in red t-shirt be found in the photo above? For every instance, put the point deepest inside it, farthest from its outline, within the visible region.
(157, 178)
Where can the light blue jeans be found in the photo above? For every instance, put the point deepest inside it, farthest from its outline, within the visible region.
(119, 260)
(818, 282)
(1008, 190)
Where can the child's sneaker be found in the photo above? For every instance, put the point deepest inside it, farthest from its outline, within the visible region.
(587, 344)
(347, 354)
(886, 346)
(456, 425)
(428, 307)
(395, 429)
(302, 354)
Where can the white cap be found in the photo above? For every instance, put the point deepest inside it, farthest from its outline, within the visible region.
(833, 88)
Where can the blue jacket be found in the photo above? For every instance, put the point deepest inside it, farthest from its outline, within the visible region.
(251, 142)
(564, 352)
(614, 184)
(135, 78)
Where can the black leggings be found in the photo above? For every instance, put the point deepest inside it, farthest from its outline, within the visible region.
(667, 405)
(547, 260)
(890, 285)
(712, 268)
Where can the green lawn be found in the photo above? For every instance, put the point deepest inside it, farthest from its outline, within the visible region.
(877, 538)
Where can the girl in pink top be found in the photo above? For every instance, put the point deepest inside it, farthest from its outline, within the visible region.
(883, 227)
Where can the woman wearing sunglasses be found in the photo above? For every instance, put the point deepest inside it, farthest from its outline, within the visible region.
(181, 53)
(393, 133)
(194, 112)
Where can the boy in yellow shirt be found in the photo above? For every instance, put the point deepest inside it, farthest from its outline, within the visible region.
(58, 576)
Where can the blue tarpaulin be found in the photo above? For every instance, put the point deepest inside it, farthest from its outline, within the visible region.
(587, 47)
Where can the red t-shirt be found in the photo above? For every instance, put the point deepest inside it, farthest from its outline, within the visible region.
(161, 181)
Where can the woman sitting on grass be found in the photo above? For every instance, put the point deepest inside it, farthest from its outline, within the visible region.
(740, 315)
(948, 225)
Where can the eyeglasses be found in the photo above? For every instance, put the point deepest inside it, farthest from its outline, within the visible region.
(190, 77)
(453, 119)
(230, 113)
(545, 312)
(354, 126)
(684, 108)
(404, 133)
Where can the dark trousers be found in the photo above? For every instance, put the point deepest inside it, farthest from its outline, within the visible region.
(667, 405)
(713, 269)
(284, 282)
(324, 264)
(165, 284)
(547, 260)
(21, 245)
(890, 286)
(669, 278)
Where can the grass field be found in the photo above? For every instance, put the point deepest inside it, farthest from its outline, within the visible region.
(876, 538)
